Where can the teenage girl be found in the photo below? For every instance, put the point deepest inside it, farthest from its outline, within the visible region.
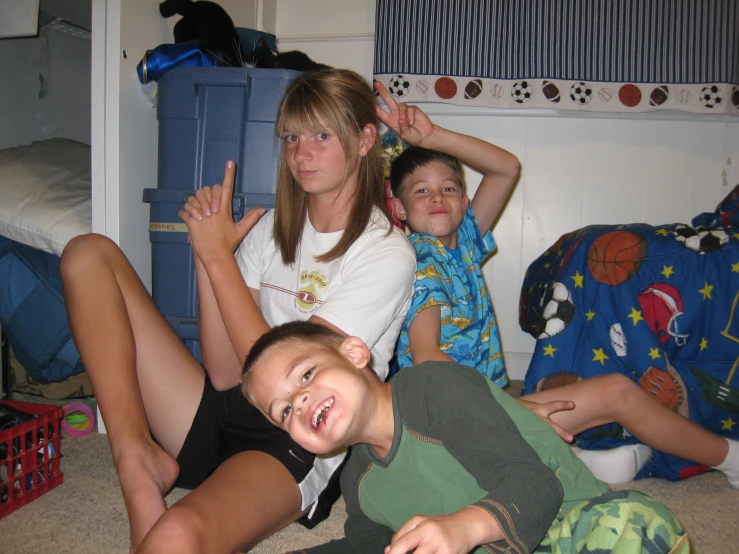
(327, 253)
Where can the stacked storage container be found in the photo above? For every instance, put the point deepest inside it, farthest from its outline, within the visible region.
(208, 116)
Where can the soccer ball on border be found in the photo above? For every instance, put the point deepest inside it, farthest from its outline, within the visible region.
(399, 86)
(580, 93)
(711, 96)
(521, 92)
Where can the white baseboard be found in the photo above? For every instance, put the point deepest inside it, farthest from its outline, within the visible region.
(517, 363)
(101, 423)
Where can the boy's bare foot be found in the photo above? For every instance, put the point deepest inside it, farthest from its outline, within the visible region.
(146, 474)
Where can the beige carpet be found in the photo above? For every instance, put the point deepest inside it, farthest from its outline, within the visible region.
(85, 514)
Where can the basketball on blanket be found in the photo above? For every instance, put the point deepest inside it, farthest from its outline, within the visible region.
(616, 257)
(630, 95)
(664, 388)
(558, 311)
(557, 379)
(445, 88)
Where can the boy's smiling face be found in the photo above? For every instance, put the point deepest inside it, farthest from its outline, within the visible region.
(313, 392)
(432, 201)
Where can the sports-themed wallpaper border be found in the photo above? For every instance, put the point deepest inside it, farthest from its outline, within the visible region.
(559, 94)
(615, 56)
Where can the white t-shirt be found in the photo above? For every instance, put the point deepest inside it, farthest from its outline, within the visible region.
(365, 293)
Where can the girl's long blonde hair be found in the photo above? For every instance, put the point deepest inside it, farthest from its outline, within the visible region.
(343, 101)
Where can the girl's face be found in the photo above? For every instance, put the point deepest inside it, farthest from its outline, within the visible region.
(318, 162)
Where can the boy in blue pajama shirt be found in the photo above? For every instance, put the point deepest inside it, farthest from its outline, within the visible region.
(451, 316)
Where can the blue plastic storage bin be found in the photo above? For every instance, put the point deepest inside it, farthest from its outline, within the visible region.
(208, 116)
(174, 287)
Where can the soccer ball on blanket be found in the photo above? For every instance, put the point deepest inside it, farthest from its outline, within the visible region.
(558, 311)
(701, 240)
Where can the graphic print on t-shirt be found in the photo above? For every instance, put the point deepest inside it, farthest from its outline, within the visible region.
(312, 284)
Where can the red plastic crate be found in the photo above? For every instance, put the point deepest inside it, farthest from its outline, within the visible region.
(30, 466)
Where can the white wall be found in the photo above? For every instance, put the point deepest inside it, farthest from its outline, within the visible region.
(46, 91)
(577, 170)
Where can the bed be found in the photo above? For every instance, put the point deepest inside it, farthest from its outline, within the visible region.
(45, 190)
(659, 304)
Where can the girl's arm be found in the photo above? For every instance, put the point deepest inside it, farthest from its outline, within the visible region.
(215, 345)
(228, 311)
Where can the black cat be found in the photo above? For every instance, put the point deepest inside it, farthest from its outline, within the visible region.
(209, 23)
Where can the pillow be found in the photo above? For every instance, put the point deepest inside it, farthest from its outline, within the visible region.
(45, 190)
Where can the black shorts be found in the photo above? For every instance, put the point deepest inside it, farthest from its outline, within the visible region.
(226, 424)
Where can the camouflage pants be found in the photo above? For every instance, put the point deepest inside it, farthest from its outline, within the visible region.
(617, 521)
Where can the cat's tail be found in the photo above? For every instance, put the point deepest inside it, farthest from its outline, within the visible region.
(170, 7)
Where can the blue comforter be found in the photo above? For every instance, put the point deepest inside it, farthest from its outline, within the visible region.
(33, 315)
(659, 304)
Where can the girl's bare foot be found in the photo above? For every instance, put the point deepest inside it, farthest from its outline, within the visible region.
(146, 474)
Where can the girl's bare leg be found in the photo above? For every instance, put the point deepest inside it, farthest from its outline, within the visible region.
(617, 399)
(248, 498)
(145, 380)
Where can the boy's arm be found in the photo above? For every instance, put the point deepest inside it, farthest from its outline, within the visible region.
(524, 495)
(363, 536)
(499, 168)
(424, 336)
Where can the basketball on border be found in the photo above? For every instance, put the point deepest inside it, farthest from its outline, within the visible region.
(629, 95)
(445, 88)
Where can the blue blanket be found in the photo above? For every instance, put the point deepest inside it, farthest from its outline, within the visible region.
(33, 315)
(659, 304)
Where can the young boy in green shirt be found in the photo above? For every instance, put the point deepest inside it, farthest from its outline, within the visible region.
(445, 460)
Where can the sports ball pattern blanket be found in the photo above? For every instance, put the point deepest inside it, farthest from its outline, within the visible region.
(659, 304)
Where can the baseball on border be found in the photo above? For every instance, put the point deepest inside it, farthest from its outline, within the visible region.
(422, 87)
(618, 340)
(605, 94)
(684, 96)
(496, 91)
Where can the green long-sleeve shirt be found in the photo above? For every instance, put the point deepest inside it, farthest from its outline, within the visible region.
(460, 440)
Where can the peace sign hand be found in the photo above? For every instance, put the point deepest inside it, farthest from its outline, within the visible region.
(411, 124)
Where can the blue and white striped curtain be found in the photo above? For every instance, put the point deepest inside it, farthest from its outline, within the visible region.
(598, 55)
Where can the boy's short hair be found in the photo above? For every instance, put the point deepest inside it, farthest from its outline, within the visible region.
(303, 331)
(414, 157)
